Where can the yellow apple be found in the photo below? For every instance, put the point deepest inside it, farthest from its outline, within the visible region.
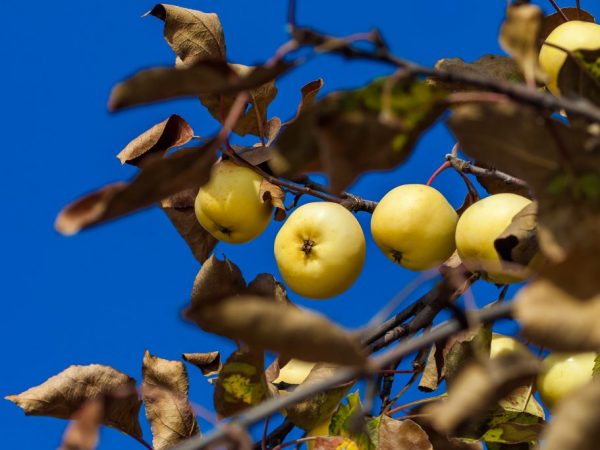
(320, 250)
(502, 344)
(294, 372)
(477, 229)
(572, 35)
(229, 206)
(414, 226)
(562, 373)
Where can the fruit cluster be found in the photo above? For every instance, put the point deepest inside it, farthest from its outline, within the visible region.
(320, 249)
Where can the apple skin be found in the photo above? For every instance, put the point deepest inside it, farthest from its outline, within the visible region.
(294, 372)
(562, 373)
(478, 228)
(414, 226)
(320, 250)
(502, 344)
(571, 35)
(229, 206)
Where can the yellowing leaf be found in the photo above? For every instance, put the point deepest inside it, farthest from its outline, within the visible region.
(165, 393)
(64, 394)
(193, 35)
(520, 35)
(173, 132)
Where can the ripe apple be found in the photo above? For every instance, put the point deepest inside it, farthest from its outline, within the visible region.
(414, 226)
(294, 372)
(320, 250)
(571, 35)
(229, 206)
(562, 373)
(502, 344)
(477, 229)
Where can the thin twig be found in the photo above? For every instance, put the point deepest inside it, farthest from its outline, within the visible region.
(468, 167)
(277, 436)
(415, 403)
(559, 10)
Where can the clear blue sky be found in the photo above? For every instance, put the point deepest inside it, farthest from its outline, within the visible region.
(106, 295)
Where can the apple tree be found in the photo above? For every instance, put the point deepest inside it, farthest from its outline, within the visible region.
(527, 131)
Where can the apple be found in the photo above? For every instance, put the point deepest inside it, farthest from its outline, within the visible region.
(229, 206)
(571, 35)
(414, 226)
(320, 250)
(478, 228)
(562, 373)
(502, 344)
(294, 372)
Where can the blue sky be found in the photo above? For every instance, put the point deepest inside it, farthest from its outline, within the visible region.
(108, 294)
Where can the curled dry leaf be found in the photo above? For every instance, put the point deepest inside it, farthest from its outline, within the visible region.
(241, 383)
(313, 411)
(265, 324)
(254, 118)
(492, 66)
(273, 194)
(517, 140)
(401, 434)
(193, 35)
(170, 133)
(519, 243)
(350, 132)
(308, 97)
(477, 389)
(265, 285)
(440, 441)
(215, 281)
(83, 432)
(576, 421)
(159, 178)
(334, 443)
(64, 394)
(519, 37)
(165, 393)
(551, 21)
(208, 363)
(202, 79)
(179, 208)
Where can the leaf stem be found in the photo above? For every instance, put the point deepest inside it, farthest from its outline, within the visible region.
(443, 167)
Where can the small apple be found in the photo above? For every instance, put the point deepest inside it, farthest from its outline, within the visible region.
(571, 35)
(477, 229)
(320, 250)
(414, 226)
(562, 373)
(229, 206)
(294, 372)
(502, 344)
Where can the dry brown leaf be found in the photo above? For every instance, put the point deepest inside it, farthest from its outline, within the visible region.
(519, 37)
(160, 178)
(334, 443)
(265, 285)
(193, 35)
(308, 97)
(350, 132)
(401, 435)
(311, 412)
(208, 363)
(440, 441)
(264, 324)
(492, 66)
(204, 78)
(64, 394)
(83, 432)
(432, 374)
(241, 383)
(254, 119)
(215, 281)
(576, 421)
(273, 194)
(478, 388)
(165, 389)
(519, 243)
(553, 20)
(173, 132)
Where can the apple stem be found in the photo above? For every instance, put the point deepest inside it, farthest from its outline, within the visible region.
(437, 172)
(559, 11)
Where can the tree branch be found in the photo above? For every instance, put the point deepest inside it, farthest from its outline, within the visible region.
(468, 167)
(343, 375)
